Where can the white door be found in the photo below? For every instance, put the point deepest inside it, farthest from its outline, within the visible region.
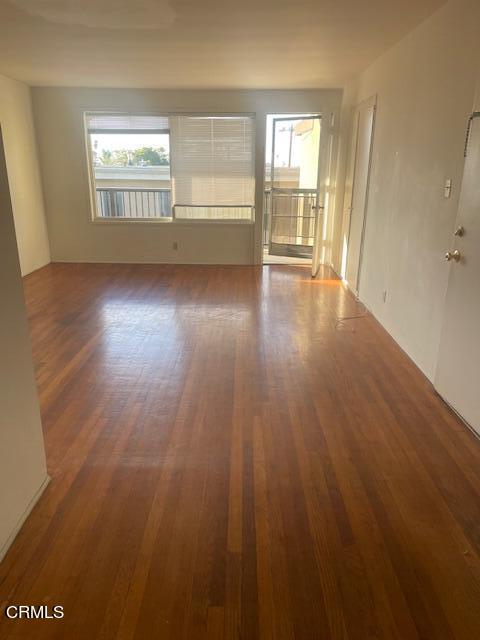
(458, 371)
(359, 172)
(324, 190)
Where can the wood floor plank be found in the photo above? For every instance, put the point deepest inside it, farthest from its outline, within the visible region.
(230, 461)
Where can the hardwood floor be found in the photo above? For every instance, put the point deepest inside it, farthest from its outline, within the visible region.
(230, 461)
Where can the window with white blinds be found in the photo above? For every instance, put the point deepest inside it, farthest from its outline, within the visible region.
(171, 166)
(212, 167)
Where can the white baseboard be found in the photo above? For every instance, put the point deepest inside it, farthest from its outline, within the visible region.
(7, 544)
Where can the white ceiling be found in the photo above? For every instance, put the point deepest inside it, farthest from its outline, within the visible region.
(200, 43)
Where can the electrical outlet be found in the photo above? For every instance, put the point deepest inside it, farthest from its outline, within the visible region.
(175, 246)
(384, 296)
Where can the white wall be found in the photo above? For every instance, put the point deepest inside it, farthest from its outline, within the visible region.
(22, 460)
(24, 175)
(425, 88)
(73, 237)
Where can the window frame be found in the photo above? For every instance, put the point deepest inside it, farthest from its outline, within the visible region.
(94, 218)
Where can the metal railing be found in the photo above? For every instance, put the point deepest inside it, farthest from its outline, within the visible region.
(133, 203)
(289, 216)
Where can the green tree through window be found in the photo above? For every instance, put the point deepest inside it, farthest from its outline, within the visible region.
(143, 157)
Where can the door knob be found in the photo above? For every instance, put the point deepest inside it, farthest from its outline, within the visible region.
(455, 255)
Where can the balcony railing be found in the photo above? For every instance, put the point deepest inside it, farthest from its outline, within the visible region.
(133, 203)
(289, 216)
(293, 220)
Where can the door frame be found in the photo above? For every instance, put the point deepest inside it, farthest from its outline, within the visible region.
(369, 103)
(317, 207)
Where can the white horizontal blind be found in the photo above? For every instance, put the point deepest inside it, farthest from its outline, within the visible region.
(212, 166)
(118, 122)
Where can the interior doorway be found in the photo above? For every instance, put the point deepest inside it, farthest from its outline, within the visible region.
(292, 199)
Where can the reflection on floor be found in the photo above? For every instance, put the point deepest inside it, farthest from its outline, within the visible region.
(269, 259)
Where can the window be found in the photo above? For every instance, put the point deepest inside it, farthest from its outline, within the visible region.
(130, 166)
(213, 157)
(211, 176)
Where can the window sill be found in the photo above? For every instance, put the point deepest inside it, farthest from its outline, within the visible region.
(169, 221)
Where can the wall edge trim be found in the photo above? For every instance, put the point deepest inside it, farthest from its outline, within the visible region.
(20, 522)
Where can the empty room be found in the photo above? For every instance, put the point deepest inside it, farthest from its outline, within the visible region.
(239, 320)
